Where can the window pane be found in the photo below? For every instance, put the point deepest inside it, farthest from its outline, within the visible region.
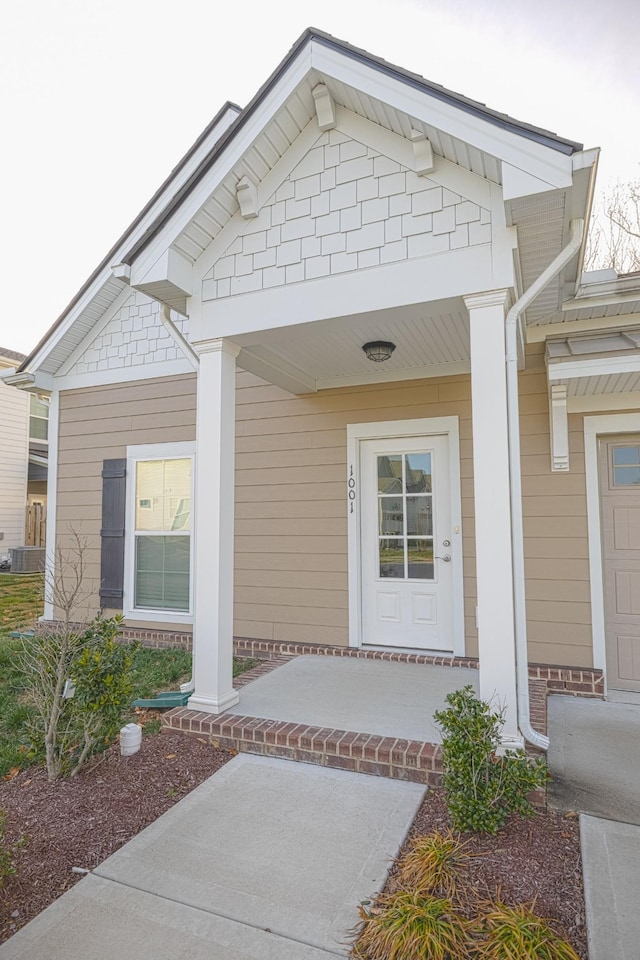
(418, 473)
(420, 559)
(625, 476)
(392, 558)
(390, 474)
(163, 495)
(38, 428)
(390, 516)
(419, 516)
(162, 573)
(38, 407)
(622, 455)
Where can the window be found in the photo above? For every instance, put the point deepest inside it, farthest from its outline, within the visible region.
(160, 492)
(626, 466)
(38, 417)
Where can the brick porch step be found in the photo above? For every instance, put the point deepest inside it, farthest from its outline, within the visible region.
(377, 756)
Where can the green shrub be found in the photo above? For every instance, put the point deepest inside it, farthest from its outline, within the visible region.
(68, 727)
(482, 788)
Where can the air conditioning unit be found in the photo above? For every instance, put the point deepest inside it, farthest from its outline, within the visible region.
(27, 559)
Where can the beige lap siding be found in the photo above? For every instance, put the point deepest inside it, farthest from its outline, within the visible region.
(291, 499)
(98, 423)
(555, 531)
(291, 519)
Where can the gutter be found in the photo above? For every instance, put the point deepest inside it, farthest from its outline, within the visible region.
(517, 538)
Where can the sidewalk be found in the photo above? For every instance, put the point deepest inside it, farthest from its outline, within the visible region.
(266, 860)
(595, 761)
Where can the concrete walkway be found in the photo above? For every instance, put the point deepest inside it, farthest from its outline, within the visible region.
(594, 759)
(266, 860)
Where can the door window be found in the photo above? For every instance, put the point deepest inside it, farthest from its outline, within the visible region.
(405, 516)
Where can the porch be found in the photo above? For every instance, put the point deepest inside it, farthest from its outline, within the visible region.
(365, 711)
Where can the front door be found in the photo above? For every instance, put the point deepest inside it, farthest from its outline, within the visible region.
(620, 506)
(407, 597)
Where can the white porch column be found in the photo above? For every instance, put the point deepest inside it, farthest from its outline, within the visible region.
(495, 611)
(213, 526)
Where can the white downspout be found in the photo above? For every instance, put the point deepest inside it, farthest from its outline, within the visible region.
(511, 331)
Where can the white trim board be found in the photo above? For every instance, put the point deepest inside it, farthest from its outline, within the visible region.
(430, 426)
(595, 427)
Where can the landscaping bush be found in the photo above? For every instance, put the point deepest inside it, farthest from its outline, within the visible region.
(79, 683)
(483, 788)
(510, 932)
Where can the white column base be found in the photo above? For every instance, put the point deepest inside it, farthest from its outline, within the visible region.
(211, 705)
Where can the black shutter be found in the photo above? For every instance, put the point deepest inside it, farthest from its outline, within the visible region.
(112, 533)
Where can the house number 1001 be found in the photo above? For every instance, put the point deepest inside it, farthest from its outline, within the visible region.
(351, 483)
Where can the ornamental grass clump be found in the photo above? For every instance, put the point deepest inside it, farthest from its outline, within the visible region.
(435, 863)
(408, 926)
(512, 933)
(483, 788)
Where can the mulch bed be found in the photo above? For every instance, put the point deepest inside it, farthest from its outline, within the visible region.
(537, 859)
(81, 821)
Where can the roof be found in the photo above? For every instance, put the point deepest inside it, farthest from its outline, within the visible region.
(545, 137)
(129, 245)
(12, 355)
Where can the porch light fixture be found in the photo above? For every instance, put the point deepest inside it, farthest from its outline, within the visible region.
(379, 350)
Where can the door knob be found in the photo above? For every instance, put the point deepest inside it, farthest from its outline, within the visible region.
(446, 558)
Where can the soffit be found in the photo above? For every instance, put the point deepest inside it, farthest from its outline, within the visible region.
(330, 352)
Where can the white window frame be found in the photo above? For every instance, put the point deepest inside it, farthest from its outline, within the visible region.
(135, 455)
(37, 416)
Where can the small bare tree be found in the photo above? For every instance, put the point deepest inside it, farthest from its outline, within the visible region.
(614, 234)
(76, 673)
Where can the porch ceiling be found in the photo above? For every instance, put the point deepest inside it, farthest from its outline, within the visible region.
(431, 340)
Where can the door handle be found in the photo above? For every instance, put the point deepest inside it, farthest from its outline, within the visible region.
(446, 558)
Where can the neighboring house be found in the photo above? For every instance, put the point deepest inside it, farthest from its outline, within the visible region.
(23, 456)
(475, 494)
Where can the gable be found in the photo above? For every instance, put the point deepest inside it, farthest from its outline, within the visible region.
(133, 337)
(345, 206)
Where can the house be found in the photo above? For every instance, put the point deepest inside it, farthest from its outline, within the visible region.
(343, 381)
(23, 456)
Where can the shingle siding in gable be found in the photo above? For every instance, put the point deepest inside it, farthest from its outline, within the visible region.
(344, 207)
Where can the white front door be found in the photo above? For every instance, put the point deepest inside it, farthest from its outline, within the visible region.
(406, 543)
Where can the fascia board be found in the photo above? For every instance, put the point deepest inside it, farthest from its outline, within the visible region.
(540, 332)
(132, 235)
(596, 367)
(224, 164)
(547, 164)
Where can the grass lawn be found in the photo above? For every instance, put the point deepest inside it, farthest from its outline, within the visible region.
(20, 605)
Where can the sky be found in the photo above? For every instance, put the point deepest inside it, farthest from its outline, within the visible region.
(99, 99)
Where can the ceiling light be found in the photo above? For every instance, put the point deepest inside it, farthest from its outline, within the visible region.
(379, 350)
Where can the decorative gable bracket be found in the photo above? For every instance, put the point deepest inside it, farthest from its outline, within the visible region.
(247, 195)
(423, 162)
(325, 107)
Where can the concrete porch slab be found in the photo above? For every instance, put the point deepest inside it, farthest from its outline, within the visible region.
(377, 697)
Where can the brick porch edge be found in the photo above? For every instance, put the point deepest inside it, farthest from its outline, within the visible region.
(579, 681)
